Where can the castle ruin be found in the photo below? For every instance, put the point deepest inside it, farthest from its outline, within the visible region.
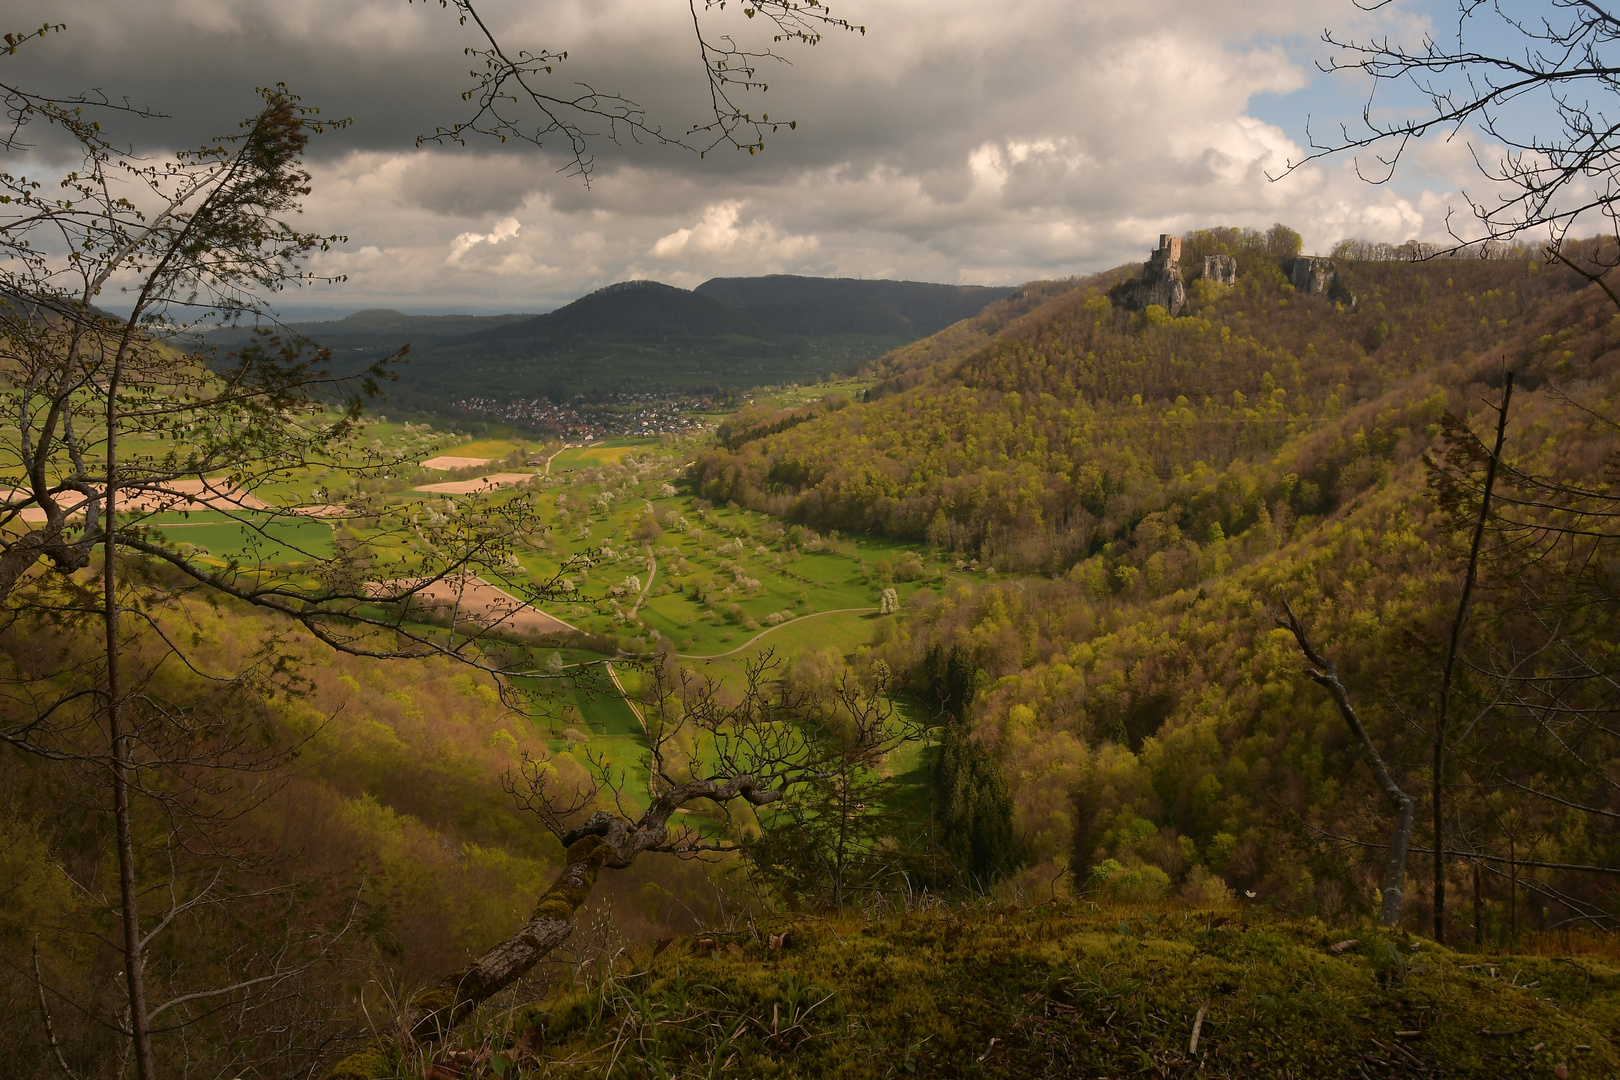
(1161, 282)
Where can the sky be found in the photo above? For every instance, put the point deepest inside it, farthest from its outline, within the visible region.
(956, 141)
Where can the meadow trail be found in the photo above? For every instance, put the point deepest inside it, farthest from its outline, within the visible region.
(770, 630)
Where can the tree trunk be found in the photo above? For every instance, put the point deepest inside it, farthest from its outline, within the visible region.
(433, 1013)
(1513, 895)
(1437, 780)
(1389, 912)
(119, 743)
(24, 551)
(603, 840)
(1324, 672)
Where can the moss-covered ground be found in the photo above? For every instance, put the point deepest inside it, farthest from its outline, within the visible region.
(1062, 990)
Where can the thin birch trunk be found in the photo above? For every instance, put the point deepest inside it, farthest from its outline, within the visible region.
(1323, 671)
(1437, 780)
(120, 738)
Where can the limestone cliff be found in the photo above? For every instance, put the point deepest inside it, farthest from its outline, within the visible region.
(1313, 276)
(1221, 269)
(1316, 276)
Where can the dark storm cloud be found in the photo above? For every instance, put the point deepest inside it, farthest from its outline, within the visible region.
(955, 141)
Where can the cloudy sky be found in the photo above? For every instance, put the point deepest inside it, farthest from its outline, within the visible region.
(956, 140)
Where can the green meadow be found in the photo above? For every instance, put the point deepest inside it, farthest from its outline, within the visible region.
(247, 537)
(724, 586)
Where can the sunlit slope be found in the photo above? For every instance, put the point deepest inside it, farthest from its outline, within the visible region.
(1171, 481)
(1052, 439)
(810, 306)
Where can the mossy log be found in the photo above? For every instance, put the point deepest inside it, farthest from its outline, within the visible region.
(604, 840)
(432, 1014)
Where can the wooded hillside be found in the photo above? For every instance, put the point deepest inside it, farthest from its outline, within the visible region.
(1077, 420)
(1170, 482)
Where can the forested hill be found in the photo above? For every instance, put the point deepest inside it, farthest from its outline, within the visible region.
(633, 337)
(790, 304)
(639, 337)
(629, 311)
(378, 330)
(733, 332)
(1034, 444)
(1131, 497)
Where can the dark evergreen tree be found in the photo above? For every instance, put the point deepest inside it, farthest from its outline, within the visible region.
(974, 808)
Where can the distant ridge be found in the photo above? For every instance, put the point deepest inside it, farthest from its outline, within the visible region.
(790, 304)
(626, 311)
(641, 337)
(379, 330)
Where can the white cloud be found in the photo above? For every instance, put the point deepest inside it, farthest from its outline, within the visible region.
(505, 229)
(720, 235)
(956, 141)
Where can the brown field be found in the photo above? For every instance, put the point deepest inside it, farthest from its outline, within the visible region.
(448, 462)
(476, 600)
(481, 483)
(174, 496)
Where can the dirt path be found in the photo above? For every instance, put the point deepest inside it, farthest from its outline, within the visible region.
(762, 633)
(652, 789)
(552, 458)
(640, 719)
(652, 572)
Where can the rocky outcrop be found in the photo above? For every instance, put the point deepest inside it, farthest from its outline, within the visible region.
(1313, 276)
(1316, 276)
(1221, 269)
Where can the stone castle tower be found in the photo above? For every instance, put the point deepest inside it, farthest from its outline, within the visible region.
(1161, 277)
(1161, 282)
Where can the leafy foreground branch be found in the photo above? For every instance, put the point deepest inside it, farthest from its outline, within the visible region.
(774, 746)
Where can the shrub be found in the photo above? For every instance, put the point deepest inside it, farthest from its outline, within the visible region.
(1204, 889)
(1130, 884)
(1100, 875)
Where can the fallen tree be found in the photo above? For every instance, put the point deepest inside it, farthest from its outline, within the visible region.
(763, 751)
